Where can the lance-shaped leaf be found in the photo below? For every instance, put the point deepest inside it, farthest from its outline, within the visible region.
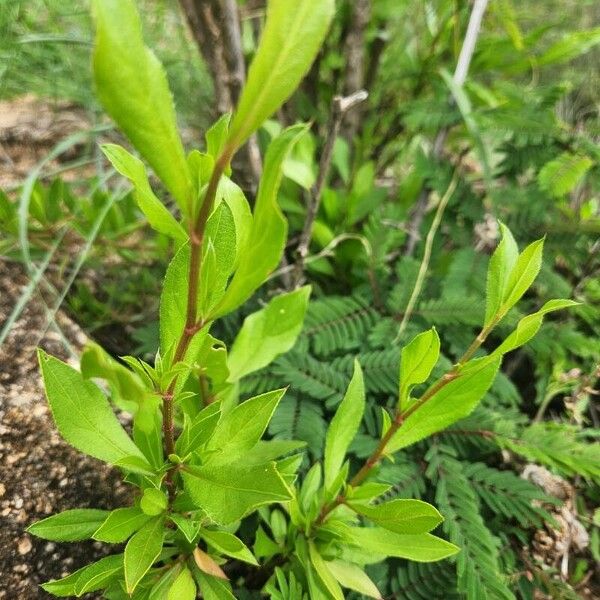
(120, 525)
(141, 552)
(422, 547)
(344, 426)
(155, 211)
(266, 241)
(526, 269)
(454, 401)
(293, 34)
(70, 525)
(230, 491)
(213, 588)
(401, 516)
(83, 415)
(354, 578)
(132, 87)
(500, 269)
(417, 361)
(528, 326)
(228, 544)
(327, 580)
(241, 429)
(267, 333)
(184, 587)
(91, 578)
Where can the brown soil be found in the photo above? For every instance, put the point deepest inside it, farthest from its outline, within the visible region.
(39, 474)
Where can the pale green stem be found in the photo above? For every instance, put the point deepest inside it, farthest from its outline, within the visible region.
(426, 256)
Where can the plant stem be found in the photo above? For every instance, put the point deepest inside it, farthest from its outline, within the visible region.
(192, 324)
(401, 417)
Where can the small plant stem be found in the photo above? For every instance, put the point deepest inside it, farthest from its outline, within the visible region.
(192, 324)
(427, 256)
(401, 417)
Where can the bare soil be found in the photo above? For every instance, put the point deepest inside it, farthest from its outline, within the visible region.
(39, 473)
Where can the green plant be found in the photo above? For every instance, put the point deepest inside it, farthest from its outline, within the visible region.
(195, 456)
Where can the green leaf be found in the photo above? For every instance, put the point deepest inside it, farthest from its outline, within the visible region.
(98, 575)
(153, 502)
(268, 235)
(501, 266)
(121, 524)
(526, 269)
(344, 426)
(189, 528)
(268, 333)
(228, 492)
(69, 526)
(161, 588)
(229, 544)
(213, 588)
(155, 211)
(141, 552)
(420, 548)
(197, 432)
(528, 326)
(562, 175)
(216, 136)
(354, 578)
(452, 402)
(242, 428)
(132, 87)
(401, 516)
(325, 575)
(184, 587)
(290, 41)
(83, 415)
(417, 361)
(87, 579)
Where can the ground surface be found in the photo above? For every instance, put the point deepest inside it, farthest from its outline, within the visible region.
(39, 473)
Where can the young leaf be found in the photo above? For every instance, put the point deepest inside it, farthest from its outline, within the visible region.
(228, 492)
(189, 528)
(324, 574)
(69, 526)
(242, 428)
(344, 426)
(354, 578)
(422, 547)
(454, 401)
(153, 502)
(290, 41)
(213, 588)
(267, 237)
(417, 361)
(155, 211)
(141, 552)
(184, 587)
(87, 579)
(401, 516)
(501, 266)
(526, 269)
(267, 333)
(120, 524)
(528, 326)
(229, 544)
(83, 415)
(132, 87)
(198, 431)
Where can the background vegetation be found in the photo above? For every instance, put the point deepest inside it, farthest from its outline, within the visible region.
(519, 143)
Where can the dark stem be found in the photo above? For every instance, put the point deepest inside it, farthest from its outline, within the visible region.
(339, 108)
